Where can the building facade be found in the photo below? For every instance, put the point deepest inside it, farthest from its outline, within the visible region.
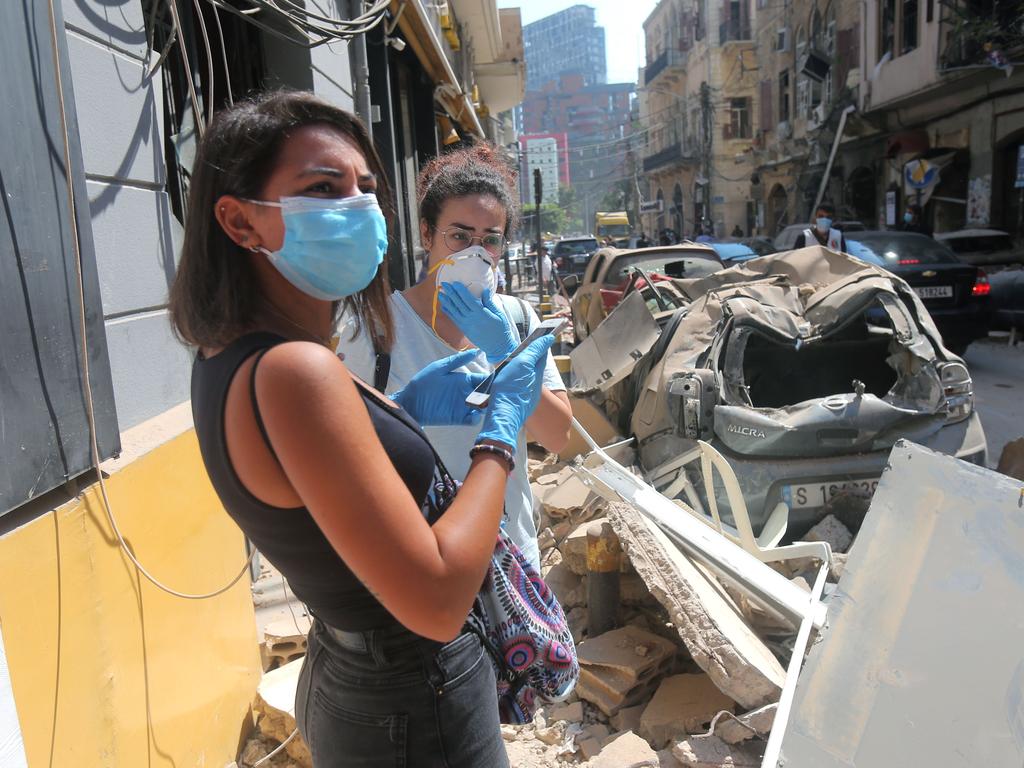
(697, 113)
(100, 667)
(548, 152)
(567, 41)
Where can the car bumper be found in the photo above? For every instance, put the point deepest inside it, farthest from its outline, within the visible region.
(763, 481)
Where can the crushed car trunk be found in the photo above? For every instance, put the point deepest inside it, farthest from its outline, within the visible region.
(809, 353)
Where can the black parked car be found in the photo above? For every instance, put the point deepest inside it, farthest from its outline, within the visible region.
(572, 254)
(955, 294)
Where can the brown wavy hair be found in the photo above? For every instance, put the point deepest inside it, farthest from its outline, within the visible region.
(215, 293)
(476, 170)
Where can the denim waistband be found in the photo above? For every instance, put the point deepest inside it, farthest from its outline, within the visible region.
(364, 641)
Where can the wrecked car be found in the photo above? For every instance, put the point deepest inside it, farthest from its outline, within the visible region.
(613, 273)
(801, 368)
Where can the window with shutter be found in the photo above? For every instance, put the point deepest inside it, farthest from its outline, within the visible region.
(767, 120)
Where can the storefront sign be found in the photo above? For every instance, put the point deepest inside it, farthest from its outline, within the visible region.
(1020, 167)
(890, 208)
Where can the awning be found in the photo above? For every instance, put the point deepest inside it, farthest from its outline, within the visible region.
(419, 33)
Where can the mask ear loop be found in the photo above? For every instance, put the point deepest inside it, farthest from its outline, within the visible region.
(437, 290)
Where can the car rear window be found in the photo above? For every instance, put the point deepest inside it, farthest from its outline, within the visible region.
(979, 244)
(904, 249)
(670, 265)
(575, 246)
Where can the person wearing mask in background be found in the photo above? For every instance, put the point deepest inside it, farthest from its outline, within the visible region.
(822, 233)
(913, 221)
(642, 241)
(736, 231)
(333, 482)
(468, 205)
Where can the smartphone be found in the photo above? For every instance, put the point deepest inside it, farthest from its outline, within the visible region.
(480, 396)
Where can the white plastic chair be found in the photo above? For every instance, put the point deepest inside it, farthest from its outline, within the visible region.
(765, 546)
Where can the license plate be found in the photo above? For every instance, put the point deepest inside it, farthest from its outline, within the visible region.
(935, 292)
(581, 257)
(820, 494)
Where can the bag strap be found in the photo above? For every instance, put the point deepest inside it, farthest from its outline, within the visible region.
(381, 371)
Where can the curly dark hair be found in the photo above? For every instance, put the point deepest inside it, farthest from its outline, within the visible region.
(216, 294)
(475, 170)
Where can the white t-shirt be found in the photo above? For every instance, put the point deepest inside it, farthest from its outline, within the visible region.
(545, 267)
(416, 346)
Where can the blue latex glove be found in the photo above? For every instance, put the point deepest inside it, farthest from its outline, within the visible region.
(436, 396)
(515, 393)
(481, 320)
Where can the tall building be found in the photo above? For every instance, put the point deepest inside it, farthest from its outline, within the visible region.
(567, 41)
(549, 153)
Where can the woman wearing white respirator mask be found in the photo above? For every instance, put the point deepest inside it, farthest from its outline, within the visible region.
(468, 205)
(334, 483)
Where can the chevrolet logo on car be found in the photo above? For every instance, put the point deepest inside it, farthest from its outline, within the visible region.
(929, 273)
(747, 431)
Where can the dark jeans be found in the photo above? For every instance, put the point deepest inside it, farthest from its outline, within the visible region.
(392, 698)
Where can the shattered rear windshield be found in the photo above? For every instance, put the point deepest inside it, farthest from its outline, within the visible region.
(894, 249)
(671, 265)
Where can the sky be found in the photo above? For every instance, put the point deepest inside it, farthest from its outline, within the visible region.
(622, 20)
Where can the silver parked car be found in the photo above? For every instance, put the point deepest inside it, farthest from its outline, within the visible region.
(803, 369)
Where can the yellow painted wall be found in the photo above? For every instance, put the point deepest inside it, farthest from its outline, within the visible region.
(106, 669)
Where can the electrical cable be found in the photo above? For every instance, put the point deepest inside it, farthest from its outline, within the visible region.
(277, 750)
(197, 119)
(90, 412)
(224, 56)
(209, 60)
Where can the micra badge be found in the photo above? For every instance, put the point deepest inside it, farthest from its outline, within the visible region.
(747, 431)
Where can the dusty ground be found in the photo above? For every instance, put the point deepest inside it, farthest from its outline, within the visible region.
(998, 373)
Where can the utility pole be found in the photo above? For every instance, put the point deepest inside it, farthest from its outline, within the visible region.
(708, 123)
(538, 190)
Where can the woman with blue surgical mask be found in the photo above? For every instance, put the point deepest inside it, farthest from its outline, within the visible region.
(468, 205)
(334, 483)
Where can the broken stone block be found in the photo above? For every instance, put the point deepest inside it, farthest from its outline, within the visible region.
(714, 631)
(545, 539)
(594, 421)
(274, 708)
(627, 751)
(835, 572)
(757, 722)
(614, 675)
(598, 731)
(682, 704)
(1011, 460)
(577, 620)
(564, 583)
(572, 713)
(588, 747)
(833, 532)
(285, 641)
(712, 752)
(628, 719)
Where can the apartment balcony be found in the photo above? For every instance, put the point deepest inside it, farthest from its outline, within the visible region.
(670, 155)
(670, 62)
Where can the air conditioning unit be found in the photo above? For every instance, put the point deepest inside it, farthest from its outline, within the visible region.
(784, 130)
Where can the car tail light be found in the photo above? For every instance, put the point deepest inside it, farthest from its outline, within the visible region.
(957, 390)
(904, 262)
(982, 287)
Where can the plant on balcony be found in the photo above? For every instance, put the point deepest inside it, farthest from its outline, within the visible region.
(981, 32)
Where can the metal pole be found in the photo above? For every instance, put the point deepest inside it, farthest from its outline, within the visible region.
(538, 189)
(604, 558)
(362, 72)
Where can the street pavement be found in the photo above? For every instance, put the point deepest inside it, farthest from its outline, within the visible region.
(998, 373)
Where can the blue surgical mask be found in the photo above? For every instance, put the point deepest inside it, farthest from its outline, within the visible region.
(332, 247)
(908, 217)
(824, 223)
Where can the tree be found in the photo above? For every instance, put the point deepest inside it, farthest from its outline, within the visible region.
(552, 219)
(570, 202)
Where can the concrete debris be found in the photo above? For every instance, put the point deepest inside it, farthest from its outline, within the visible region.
(566, 585)
(613, 675)
(574, 548)
(682, 704)
(578, 618)
(831, 531)
(838, 564)
(712, 752)
(572, 713)
(757, 722)
(627, 719)
(564, 495)
(589, 747)
(627, 751)
(598, 731)
(1011, 460)
(274, 708)
(710, 625)
(537, 468)
(285, 641)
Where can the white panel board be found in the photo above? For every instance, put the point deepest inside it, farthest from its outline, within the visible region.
(12, 747)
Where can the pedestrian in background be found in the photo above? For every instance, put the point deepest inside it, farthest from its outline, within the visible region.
(335, 484)
(822, 233)
(913, 221)
(468, 204)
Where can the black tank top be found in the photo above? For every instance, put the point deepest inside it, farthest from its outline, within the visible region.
(290, 538)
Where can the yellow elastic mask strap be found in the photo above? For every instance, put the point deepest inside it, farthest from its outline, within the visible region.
(437, 290)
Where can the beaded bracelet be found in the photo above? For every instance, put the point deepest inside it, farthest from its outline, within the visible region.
(504, 453)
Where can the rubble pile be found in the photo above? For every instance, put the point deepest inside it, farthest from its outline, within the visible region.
(685, 678)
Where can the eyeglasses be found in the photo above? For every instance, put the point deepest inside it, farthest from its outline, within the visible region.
(457, 239)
